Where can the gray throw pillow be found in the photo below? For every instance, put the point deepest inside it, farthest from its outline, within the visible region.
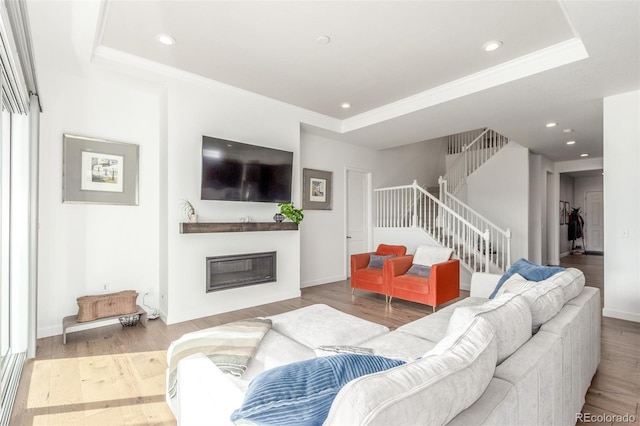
(376, 261)
(420, 270)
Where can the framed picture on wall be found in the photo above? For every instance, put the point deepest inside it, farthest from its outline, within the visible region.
(561, 212)
(317, 189)
(98, 171)
(567, 212)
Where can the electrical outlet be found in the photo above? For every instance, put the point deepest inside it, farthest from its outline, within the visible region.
(105, 287)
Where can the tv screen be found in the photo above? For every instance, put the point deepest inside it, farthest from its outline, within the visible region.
(234, 171)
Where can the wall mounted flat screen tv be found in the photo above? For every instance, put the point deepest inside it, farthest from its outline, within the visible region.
(234, 171)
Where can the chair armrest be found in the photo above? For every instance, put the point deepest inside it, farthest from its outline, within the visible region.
(360, 261)
(482, 284)
(397, 266)
(445, 271)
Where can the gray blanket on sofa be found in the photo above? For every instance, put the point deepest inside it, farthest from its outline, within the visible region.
(230, 346)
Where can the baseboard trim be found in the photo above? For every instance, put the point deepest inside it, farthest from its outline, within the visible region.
(627, 316)
(321, 281)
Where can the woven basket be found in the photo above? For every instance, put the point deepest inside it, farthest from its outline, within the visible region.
(107, 305)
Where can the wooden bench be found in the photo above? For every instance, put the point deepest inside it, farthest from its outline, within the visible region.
(72, 321)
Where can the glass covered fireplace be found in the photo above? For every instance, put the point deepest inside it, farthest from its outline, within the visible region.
(241, 270)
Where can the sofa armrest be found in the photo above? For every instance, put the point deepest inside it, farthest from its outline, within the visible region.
(360, 261)
(397, 266)
(204, 392)
(482, 284)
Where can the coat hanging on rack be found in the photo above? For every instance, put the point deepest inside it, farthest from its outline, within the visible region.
(576, 228)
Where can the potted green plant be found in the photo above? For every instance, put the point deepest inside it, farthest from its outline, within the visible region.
(188, 211)
(291, 213)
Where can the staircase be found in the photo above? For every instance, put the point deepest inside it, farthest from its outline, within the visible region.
(479, 244)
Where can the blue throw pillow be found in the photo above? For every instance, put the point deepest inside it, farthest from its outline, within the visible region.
(376, 261)
(529, 271)
(302, 393)
(420, 270)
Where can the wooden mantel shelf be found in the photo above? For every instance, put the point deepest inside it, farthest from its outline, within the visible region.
(208, 227)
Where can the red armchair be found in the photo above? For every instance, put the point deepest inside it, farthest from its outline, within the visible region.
(372, 279)
(441, 286)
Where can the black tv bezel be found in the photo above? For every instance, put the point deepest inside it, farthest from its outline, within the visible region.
(255, 147)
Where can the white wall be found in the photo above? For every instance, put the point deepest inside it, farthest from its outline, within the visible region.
(500, 190)
(323, 234)
(83, 246)
(193, 111)
(583, 185)
(621, 206)
(421, 161)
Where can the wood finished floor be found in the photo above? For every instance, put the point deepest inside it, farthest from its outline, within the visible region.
(116, 376)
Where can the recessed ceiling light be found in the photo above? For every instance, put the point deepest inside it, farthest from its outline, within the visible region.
(584, 155)
(571, 142)
(492, 45)
(552, 124)
(166, 39)
(323, 39)
(345, 105)
(567, 130)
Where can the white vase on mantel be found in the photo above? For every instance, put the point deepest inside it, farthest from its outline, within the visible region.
(193, 218)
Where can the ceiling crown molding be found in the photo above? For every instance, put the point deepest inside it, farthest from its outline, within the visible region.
(542, 60)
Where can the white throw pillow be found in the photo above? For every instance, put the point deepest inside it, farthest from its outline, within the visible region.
(571, 281)
(429, 391)
(510, 316)
(430, 255)
(545, 298)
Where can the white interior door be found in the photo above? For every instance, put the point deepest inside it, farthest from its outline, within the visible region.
(358, 189)
(594, 221)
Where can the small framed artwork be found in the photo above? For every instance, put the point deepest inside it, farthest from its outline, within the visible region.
(561, 212)
(99, 171)
(567, 212)
(317, 188)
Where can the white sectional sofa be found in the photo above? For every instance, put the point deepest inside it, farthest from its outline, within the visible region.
(460, 370)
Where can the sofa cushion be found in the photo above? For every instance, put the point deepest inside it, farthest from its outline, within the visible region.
(545, 298)
(430, 255)
(509, 314)
(528, 270)
(302, 392)
(399, 345)
(412, 283)
(428, 391)
(320, 325)
(376, 261)
(571, 281)
(372, 275)
(433, 327)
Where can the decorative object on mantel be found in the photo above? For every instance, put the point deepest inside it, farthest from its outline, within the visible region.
(317, 188)
(99, 171)
(189, 211)
(291, 213)
(278, 217)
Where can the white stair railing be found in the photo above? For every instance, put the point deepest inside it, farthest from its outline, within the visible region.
(499, 248)
(410, 206)
(474, 154)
